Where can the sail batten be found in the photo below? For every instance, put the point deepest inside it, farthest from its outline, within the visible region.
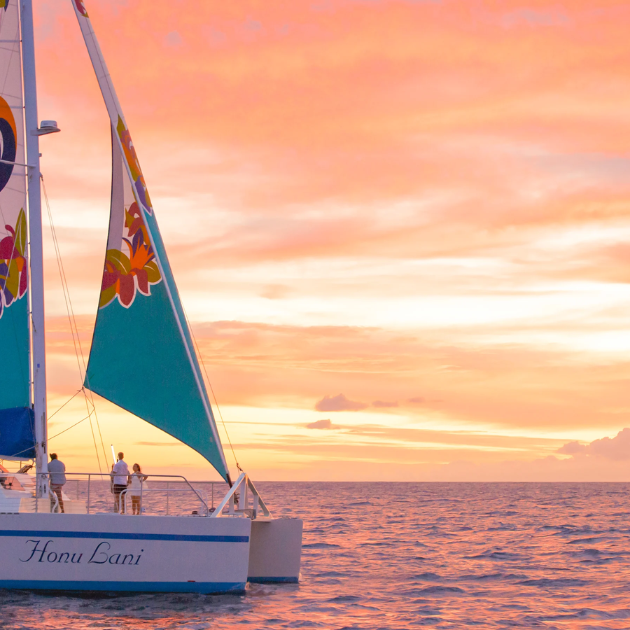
(142, 356)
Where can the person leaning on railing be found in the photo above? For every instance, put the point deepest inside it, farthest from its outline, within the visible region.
(57, 472)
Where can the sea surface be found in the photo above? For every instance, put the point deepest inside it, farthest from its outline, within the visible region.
(406, 555)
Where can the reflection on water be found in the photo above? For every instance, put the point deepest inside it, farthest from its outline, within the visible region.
(406, 555)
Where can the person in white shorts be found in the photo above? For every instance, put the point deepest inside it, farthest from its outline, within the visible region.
(136, 481)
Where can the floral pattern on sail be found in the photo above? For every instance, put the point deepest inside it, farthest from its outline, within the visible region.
(9, 135)
(4, 4)
(125, 275)
(80, 7)
(134, 166)
(13, 267)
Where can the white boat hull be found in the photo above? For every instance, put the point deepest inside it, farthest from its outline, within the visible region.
(111, 552)
(275, 550)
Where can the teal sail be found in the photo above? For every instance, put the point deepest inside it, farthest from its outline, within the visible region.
(142, 356)
(16, 415)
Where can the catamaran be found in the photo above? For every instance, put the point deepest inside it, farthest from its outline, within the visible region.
(142, 358)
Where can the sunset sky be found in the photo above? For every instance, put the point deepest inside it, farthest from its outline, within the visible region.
(401, 229)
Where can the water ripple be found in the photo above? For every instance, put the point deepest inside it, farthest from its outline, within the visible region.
(493, 556)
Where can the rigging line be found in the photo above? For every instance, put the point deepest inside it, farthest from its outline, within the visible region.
(22, 452)
(73, 326)
(216, 402)
(68, 429)
(74, 331)
(64, 286)
(91, 400)
(64, 404)
(73, 321)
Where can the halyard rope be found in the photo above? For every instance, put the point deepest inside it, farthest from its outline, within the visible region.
(74, 330)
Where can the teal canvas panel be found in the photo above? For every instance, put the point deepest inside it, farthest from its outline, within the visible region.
(14, 350)
(139, 362)
(160, 250)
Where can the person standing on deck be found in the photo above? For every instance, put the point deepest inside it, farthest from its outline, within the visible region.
(120, 473)
(136, 481)
(57, 471)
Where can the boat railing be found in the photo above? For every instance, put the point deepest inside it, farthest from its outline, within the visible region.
(243, 499)
(158, 495)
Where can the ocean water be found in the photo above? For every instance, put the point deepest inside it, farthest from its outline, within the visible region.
(398, 555)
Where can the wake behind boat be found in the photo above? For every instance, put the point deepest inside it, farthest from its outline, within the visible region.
(142, 358)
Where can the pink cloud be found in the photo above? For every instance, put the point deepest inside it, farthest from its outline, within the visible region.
(383, 404)
(339, 403)
(321, 424)
(616, 448)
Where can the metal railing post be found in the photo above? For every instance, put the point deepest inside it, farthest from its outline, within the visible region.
(167, 498)
(88, 499)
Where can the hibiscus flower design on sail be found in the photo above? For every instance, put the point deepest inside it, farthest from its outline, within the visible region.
(13, 267)
(80, 7)
(134, 166)
(136, 270)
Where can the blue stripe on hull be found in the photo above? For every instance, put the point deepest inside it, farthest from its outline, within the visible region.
(22, 533)
(267, 580)
(124, 587)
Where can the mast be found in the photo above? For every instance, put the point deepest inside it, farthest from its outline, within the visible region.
(36, 245)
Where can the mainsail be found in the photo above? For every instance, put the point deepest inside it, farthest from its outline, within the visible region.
(16, 414)
(142, 355)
